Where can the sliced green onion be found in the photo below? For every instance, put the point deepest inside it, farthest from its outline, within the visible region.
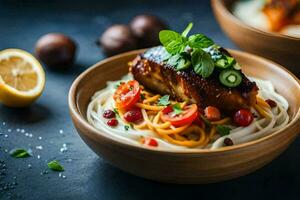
(225, 62)
(230, 77)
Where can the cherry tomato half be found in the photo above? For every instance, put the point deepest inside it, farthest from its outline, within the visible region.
(243, 117)
(133, 114)
(212, 113)
(127, 94)
(187, 116)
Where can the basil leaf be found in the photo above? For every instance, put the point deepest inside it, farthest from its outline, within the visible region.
(167, 36)
(174, 60)
(19, 153)
(199, 41)
(187, 30)
(223, 130)
(175, 47)
(177, 108)
(55, 166)
(164, 100)
(142, 96)
(202, 62)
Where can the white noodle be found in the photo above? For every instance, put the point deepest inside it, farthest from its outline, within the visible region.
(260, 127)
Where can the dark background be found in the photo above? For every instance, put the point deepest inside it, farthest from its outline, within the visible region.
(86, 175)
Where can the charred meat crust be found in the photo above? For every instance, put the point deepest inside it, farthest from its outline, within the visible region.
(186, 85)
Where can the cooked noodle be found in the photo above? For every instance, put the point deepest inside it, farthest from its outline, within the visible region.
(188, 136)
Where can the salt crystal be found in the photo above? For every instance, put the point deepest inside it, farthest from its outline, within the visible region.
(60, 174)
(22, 131)
(63, 176)
(3, 123)
(39, 147)
(61, 131)
(9, 130)
(6, 135)
(30, 135)
(26, 134)
(64, 145)
(29, 166)
(40, 138)
(38, 156)
(6, 150)
(18, 130)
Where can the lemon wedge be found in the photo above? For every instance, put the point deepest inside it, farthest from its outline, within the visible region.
(22, 78)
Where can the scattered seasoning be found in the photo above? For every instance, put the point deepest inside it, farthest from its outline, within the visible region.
(108, 114)
(116, 111)
(55, 166)
(19, 153)
(38, 156)
(9, 130)
(26, 134)
(64, 148)
(3, 123)
(112, 122)
(29, 166)
(142, 96)
(40, 138)
(18, 130)
(22, 131)
(6, 135)
(271, 103)
(61, 131)
(228, 142)
(30, 135)
(39, 147)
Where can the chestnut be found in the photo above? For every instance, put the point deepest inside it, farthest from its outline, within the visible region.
(56, 50)
(146, 28)
(117, 39)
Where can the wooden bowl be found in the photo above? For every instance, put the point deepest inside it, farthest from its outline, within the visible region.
(190, 166)
(280, 48)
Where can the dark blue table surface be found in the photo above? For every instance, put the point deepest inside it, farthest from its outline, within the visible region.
(87, 176)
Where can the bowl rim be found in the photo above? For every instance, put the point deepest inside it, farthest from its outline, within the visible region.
(236, 20)
(75, 113)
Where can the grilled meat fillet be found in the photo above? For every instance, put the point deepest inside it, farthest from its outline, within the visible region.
(149, 69)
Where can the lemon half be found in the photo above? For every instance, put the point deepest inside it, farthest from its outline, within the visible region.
(22, 78)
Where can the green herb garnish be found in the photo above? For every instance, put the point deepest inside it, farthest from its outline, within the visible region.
(198, 51)
(223, 130)
(19, 153)
(177, 108)
(126, 127)
(164, 100)
(55, 166)
(116, 111)
(202, 63)
(142, 96)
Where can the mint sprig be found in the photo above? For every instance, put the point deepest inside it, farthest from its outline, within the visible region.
(20, 153)
(164, 100)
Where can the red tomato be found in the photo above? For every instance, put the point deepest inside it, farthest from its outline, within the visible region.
(112, 122)
(189, 113)
(127, 94)
(150, 142)
(212, 113)
(133, 115)
(243, 117)
(167, 110)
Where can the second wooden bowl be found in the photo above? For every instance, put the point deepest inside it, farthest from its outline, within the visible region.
(282, 49)
(189, 166)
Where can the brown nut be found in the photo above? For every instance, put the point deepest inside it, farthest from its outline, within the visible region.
(56, 50)
(117, 39)
(146, 28)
